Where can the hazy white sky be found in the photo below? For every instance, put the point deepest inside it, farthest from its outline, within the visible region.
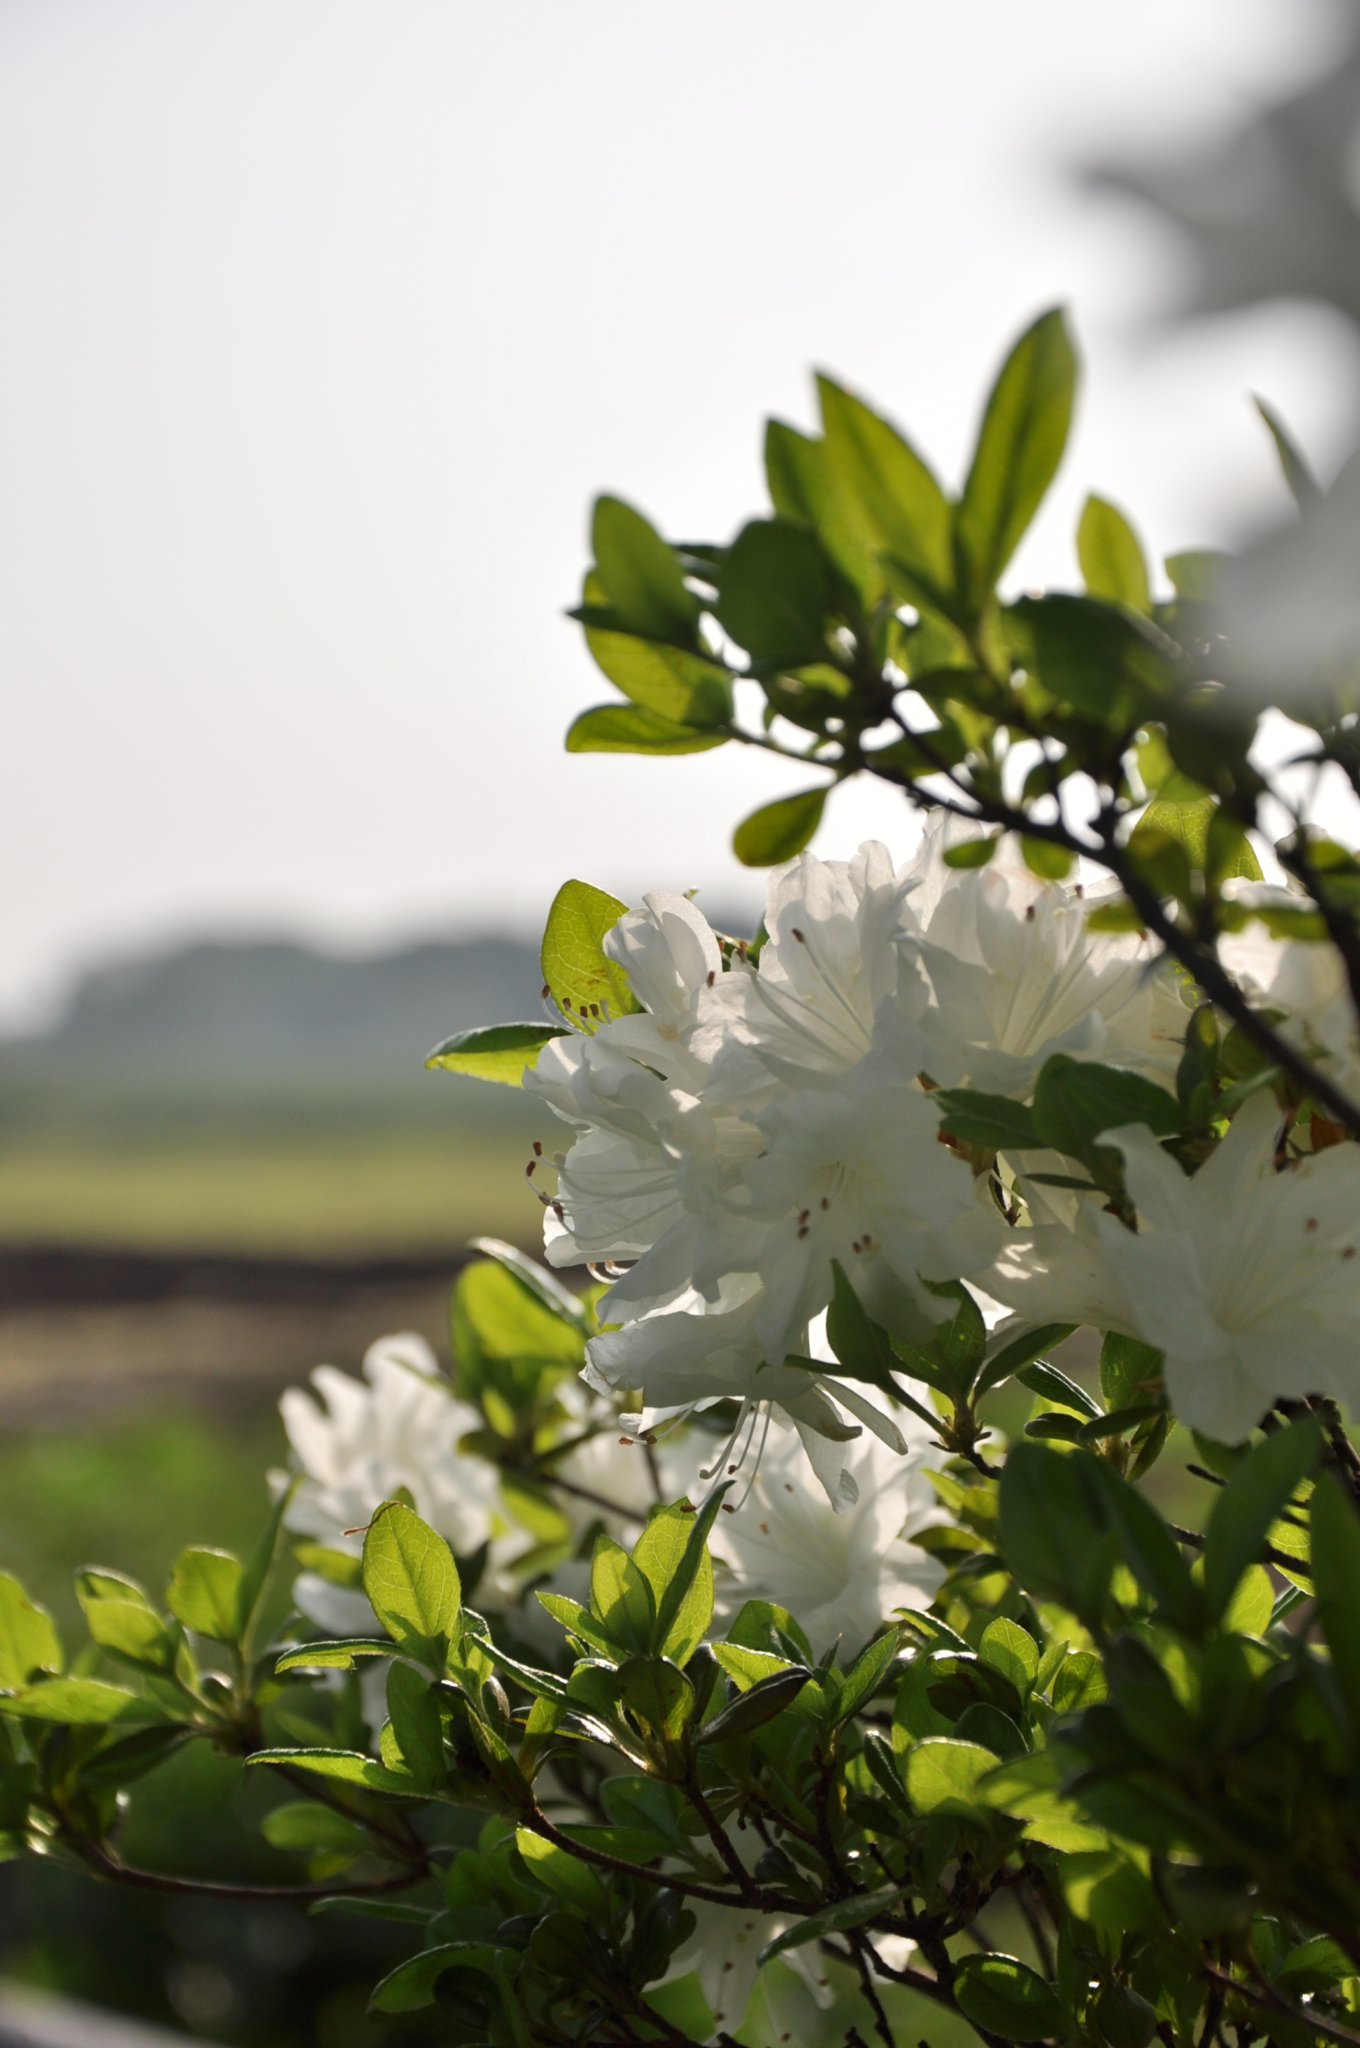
(323, 320)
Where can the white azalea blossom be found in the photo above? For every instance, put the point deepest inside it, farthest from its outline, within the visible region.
(841, 1575)
(1246, 1277)
(1016, 975)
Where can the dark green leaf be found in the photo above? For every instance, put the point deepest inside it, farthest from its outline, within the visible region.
(1018, 1352)
(1335, 1553)
(1006, 1998)
(862, 1348)
(990, 1123)
(767, 1698)
(411, 1986)
(1107, 664)
(774, 593)
(846, 1913)
(1077, 1101)
(1254, 1498)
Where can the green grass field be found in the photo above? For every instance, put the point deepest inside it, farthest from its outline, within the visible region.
(292, 1192)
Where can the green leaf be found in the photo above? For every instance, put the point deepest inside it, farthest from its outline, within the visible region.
(1111, 557)
(582, 980)
(620, 1597)
(803, 488)
(989, 1123)
(414, 1714)
(347, 1766)
(1130, 1371)
(1053, 1385)
(1303, 485)
(1020, 445)
(28, 1637)
(684, 689)
(1149, 1550)
(862, 1348)
(774, 593)
(131, 1629)
(1107, 664)
(777, 831)
(566, 1876)
(1253, 1500)
(671, 1605)
(1080, 1683)
(855, 1911)
(1022, 1351)
(1052, 1525)
(1077, 1101)
(1006, 1998)
(411, 1581)
(494, 1052)
(578, 1619)
(866, 1674)
(504, 1314)
(1334, 1549)
(1196, 573)
(640, 575)
(206, 1593)
(764, 1700)
(335, 1654)
(658, 1696)
(1051, 863)
(411, 1986)
(659, 1554)
(972, 853)
(897, 506)
(304, 1828)
(1012, 1651)
(942, 1776)
(79, 1703)
(630, 729)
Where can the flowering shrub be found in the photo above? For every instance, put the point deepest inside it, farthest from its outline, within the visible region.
(760, 1638)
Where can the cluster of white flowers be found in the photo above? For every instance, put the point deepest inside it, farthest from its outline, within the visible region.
(761, 1118)
(357, 1442)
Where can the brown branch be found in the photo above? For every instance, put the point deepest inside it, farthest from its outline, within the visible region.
(105, 1864)
(1271, 2001)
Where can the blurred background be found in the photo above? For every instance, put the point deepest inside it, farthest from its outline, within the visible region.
(323, 322)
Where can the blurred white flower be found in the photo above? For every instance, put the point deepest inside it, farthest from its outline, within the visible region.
(842, 1575)
(1307, 983)
(355, 1443)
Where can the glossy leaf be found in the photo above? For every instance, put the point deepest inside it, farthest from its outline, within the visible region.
(582, 980)
(777, 831)
(494, 1052)
(411, 1581)
(1020, 445)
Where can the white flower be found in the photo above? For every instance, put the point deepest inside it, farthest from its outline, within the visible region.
(1247, 1278)
(1308, 983)
(840, 1575)
(355, 1443)
(1016, 975)
(828, 967)
(723, 1953)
